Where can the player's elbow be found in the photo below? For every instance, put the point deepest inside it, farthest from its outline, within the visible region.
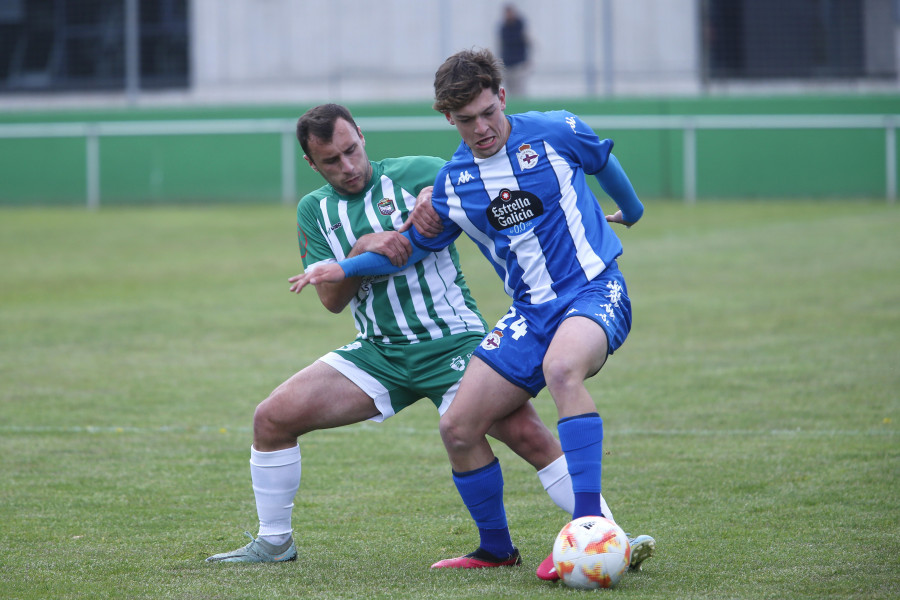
(634, 213)
(334, 306)
(333, 299)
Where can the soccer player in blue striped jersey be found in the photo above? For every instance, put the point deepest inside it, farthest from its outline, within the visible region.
(517, 187)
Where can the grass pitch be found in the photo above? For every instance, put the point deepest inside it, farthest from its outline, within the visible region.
(751, 418)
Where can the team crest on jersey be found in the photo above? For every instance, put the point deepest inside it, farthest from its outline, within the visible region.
(386, 206)
(528, 158)
(492, 341)
(513, 211)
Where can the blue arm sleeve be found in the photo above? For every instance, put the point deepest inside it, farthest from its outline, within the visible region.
(372, 263)
(615, 182)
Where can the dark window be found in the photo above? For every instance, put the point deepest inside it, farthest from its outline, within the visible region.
(81, 44)
(802, 39)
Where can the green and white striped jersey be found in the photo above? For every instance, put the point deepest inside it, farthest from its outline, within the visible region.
(426, 301)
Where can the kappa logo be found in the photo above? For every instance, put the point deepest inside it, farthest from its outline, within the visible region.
(492, 341)
(464, 177)
(615, 292)
(528, 158)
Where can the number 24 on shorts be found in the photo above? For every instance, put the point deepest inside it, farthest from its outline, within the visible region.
(519, 327)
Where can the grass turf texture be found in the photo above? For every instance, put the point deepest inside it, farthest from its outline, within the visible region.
(751, 418)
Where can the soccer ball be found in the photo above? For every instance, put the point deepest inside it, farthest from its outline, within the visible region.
(591, 553)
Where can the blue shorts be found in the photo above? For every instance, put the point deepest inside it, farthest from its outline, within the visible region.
(516, 346)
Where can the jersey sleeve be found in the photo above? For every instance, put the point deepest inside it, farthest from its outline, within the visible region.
(439, 201)
(617, 186)
(314, 247)
(416, 172)
(579, 142)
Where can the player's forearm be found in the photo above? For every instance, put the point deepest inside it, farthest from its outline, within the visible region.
(336, 296)
(616, 184)
(371, 263)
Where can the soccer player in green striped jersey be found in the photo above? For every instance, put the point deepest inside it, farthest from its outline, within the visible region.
(417, 329)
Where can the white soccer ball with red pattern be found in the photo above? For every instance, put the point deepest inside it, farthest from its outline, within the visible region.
(591, 553)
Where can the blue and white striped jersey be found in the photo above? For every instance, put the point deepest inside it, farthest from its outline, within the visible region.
(529, 209)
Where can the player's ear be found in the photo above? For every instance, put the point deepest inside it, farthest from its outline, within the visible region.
(311, 163)
(362, 138)
(501, 93)
(449, 118)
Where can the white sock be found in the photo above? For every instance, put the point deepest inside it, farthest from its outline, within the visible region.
(276, 479)
(558, 484)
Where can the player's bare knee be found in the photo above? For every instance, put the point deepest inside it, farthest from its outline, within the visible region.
(453, 436)
(560, 376)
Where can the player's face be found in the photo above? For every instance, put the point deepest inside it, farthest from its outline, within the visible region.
(482, 124)
(343, 161)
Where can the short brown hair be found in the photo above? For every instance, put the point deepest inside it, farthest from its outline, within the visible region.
(463, 76)
(319, 122)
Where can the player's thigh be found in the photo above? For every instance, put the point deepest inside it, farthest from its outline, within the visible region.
(588, 337)
(484, 397)
(318, 397)
(436, 367)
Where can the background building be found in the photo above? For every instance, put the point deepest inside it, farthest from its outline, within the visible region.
(271, 51)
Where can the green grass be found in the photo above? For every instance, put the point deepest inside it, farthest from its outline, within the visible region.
(751, 418)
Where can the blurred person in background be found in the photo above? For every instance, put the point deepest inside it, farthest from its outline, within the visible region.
(514, 50)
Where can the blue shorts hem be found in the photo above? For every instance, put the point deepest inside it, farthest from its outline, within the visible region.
(483, 356)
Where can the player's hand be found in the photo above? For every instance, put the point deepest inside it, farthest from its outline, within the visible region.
(617, 218)
(423, 216)
(387, 243)
(330, 273)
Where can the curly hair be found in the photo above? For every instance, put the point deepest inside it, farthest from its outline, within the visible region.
(463, 76)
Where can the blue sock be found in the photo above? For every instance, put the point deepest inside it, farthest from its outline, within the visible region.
(581, 438)
(482, 492)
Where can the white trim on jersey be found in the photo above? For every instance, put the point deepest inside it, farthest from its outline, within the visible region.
(590, 262)
(527, 247)
(449, 299)
(458, 216)
(338, 251)
(453, 310)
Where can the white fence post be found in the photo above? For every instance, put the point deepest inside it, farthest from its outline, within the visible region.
(288, 167)
(690, 161)
(890, 161)
(92, 167)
